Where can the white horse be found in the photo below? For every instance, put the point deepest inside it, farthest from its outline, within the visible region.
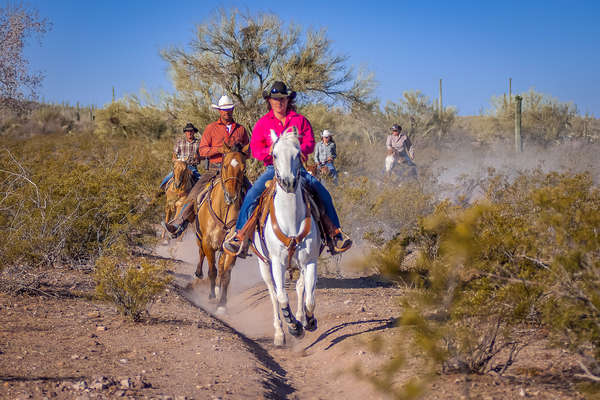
(390, 160)
(291, 236)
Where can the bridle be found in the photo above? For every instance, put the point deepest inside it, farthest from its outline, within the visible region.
(277, 174)
(229, 200)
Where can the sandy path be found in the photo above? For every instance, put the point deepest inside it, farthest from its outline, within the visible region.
(316, 366)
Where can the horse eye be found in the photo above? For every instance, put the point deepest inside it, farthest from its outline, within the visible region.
(274, 156)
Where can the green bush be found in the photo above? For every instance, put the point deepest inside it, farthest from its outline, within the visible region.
(130, 118)
(544, 119)
(131, 283)
(526, 257)
(67, 198)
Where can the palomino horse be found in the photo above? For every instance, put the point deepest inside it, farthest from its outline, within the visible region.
(177, 188)
(291, 236)
(217, 213)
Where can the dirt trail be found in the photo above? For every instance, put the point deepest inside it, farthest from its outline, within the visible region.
(66, 345)
(349, 310)
(352, 309)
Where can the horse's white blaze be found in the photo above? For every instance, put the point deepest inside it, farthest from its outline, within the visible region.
(234, 163)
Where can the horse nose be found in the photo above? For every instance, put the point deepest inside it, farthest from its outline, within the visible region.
(289, 184)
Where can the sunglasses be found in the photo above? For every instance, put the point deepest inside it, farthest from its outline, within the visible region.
(278, 91)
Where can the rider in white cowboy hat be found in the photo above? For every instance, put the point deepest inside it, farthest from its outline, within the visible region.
(225, 103)
(325, 153)
(224, 130)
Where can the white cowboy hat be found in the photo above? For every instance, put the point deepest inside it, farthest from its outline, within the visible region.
(225, 103)
(326, 133)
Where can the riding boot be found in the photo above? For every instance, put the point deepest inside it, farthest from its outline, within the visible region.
(337, 240)
(237, 243)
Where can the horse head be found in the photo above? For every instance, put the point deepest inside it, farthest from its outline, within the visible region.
(233, 168)
(285, 151)
(181, 173)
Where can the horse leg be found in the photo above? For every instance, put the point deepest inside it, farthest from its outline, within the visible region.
(300, 314)
(310, 282)
(294, 327)
(168, 216)
(212, 268)
(224, 279)
(198, 272)
(265, 271)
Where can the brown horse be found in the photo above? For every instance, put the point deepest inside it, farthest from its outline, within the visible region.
(177, 188)
(318, 171)
(217, 214)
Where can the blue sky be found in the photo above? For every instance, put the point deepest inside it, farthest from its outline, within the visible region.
(552, 46)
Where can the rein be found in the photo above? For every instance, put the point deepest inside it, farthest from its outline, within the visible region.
(224, 226)
(290, 242)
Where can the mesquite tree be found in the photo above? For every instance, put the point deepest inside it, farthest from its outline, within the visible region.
(241, 55)
(17, 24)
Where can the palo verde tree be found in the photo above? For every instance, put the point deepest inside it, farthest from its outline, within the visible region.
(241, 55)
(17, 84)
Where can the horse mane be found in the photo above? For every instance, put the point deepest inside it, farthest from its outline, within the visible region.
(291, 135)
(236, 148)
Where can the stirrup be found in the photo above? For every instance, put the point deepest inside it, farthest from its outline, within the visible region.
(233, 245)
(340, 243)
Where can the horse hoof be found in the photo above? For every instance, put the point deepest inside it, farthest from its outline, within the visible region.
(279, 341)
(296, 330)
(221, 311)
(212, 298)
(199, 275)
(311, 324)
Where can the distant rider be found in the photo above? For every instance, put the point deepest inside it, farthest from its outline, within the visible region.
(325, 153)
(186, 149)
(399, 145)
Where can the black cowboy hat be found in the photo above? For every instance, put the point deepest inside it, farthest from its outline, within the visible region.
(190, 127)
(278, 90)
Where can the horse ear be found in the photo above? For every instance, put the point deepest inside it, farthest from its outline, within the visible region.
(292, 129)
(273, 136)
(246, 150)
(225, 148)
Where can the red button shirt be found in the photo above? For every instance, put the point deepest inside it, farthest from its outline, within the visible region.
(215, 134)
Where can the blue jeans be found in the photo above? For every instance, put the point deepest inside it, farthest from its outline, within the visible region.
(195, 174)
(253, 195)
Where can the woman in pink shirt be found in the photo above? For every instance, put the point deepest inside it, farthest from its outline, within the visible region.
(282, 115)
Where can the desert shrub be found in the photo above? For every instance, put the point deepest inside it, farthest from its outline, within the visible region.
(44, 118)
(544, 118)
(129, 117)
(493, 272)
(67, 198)
(384, 208)
(419, 117)
(131, 283)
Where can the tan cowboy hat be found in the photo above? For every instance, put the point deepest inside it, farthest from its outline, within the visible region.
(225, 103)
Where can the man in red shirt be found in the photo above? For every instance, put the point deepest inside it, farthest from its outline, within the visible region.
(224, 130)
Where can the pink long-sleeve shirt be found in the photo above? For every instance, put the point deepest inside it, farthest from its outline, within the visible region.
(260, 142)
